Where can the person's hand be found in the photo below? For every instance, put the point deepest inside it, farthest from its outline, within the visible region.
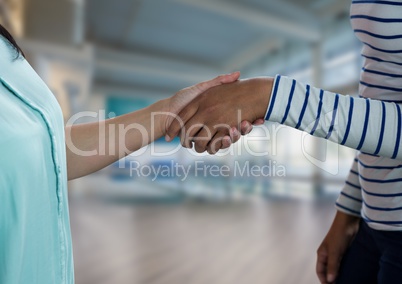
(209, 118)
(334, 246)
(177, 102)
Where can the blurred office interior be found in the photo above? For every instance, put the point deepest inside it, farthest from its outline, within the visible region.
(122, 55)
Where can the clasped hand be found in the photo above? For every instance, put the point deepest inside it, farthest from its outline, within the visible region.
(215, 118)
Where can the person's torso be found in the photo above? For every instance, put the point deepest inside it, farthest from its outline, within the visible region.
(378, 24)
(35, 241)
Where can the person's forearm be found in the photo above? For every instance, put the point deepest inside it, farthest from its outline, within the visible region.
(367, 125)
(350, 199)
(93, 146)
(349, 222)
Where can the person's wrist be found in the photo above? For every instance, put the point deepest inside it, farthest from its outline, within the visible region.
(262, 89)
(350, 223)
(160, 110)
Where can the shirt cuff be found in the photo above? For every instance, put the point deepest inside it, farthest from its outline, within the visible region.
(279, 96)
(348, 205)
(272, 100)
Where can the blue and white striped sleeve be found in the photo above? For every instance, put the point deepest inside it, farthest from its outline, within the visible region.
(350, 198)
(371, 126)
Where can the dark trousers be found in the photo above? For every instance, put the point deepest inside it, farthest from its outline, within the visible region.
(374, 257)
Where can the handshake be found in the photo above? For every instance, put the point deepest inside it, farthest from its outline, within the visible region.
(214, 114)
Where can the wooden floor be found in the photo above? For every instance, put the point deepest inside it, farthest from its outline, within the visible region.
(255, 241)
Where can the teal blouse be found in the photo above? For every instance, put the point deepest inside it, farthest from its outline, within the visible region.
(35, 238)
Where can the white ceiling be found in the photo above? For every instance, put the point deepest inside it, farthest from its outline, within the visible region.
(168, 44)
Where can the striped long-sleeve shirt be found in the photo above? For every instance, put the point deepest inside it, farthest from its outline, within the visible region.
(371, 123)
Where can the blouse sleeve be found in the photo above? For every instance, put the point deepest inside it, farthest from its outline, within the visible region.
(350, 199)
(371, 126)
